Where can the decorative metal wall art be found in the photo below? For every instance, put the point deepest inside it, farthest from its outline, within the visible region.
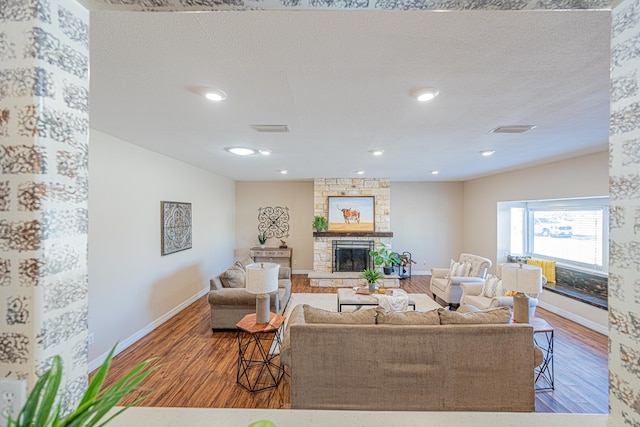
(176, 227)
(273, 221)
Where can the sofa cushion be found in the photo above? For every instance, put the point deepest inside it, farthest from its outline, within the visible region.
(233, 277)
(495, 315)
(245, 261)
(459, 269)
(317, 315)
(296, 317)
(468, 308)
(492, 287)
(407, 317)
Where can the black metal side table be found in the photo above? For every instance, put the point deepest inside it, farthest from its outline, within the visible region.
(543, 337)
(259, 366)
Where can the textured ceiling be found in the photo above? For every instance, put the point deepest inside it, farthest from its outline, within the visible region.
(341, 81)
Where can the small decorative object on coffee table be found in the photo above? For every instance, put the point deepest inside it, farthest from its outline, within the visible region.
(259, 366)
(371, 275)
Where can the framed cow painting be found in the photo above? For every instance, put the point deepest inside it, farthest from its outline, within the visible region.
(352, 213)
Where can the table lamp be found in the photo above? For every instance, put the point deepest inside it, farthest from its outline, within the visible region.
(262, 279)
(524, 279)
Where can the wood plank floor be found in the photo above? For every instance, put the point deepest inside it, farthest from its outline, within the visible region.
(197, 367)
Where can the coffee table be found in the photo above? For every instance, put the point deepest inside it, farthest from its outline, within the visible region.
(348, 296)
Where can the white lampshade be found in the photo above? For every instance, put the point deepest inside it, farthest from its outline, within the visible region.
(526, 279)
(262, 277)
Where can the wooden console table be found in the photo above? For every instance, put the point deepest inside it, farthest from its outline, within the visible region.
(280, 256)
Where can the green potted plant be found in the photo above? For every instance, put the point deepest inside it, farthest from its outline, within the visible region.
(262, 238)
(372, 275)
(44, 408)
(320, 223)
(385, 258)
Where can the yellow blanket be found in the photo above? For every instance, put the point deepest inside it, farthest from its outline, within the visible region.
(548, 268)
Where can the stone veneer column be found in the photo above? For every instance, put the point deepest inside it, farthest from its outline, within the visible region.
(44, 126)
(624, 250)
(350, 187)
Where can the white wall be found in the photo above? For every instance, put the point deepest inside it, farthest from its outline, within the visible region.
(583, 176)
(295, 195)
(131, 286)
(426, 220)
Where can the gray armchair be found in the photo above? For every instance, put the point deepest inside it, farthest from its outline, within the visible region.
(229, 305)
(448, 288)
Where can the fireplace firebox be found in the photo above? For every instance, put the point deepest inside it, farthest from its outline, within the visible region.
(351, 255)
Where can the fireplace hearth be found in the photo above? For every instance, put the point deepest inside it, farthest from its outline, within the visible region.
(351, 255)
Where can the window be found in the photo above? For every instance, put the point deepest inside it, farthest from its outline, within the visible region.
(572, 232)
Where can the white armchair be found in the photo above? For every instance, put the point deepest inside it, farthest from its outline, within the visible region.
(472, 295)
(448, 288)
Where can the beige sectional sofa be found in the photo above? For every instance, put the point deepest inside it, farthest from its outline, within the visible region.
(348, 361)
(230, 301)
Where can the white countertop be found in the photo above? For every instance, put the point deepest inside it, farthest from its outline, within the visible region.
(190, 417)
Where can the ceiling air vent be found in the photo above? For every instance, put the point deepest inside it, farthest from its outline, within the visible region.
(512, 129)
(270, 128)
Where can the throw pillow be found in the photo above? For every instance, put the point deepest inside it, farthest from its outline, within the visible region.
(317, 315)
(459, 269)
(244, 262)
(491, 316)
(492, 287)
(233, 277)
(407, 317)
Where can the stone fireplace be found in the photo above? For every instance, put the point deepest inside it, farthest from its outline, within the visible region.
(323, 242)
(351, 255)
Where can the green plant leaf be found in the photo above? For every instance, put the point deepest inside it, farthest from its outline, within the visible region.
(93, 410)
(42, 408)
(262, 423)
(98, 379)
(39, 410)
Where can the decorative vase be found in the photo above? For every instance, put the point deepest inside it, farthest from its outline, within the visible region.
(263, 245)
(372, 286)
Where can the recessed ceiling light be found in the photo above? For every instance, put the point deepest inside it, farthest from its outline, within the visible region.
(283, 171)
(376, 152)
(265, 152)
(425, 94)
(512, 129)
(435, 172)
(487, 153)
(360, 172)
(241, 151)
(215, 95)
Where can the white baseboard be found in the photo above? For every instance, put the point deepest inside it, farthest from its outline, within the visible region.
(128, 342)
(420, 273)
(603, 329)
